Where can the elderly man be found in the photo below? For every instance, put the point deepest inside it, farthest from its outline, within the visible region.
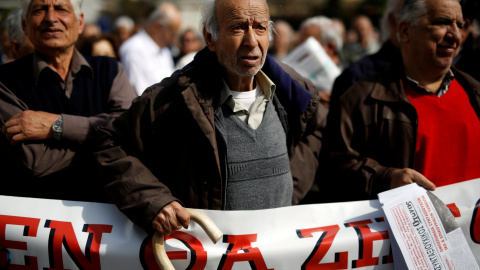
(232, 130)
(416, 122)
(146, 56)
(51, 103)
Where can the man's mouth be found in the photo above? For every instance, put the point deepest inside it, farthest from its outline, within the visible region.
(252, 60)
(447, 50)
(51, 31)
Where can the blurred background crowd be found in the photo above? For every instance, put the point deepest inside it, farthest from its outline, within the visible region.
(347, 30)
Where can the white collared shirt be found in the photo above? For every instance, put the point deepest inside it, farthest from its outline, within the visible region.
(145, 62)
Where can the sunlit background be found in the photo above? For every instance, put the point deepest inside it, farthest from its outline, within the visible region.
(104, 12)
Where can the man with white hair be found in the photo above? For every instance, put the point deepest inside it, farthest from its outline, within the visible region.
(416, 122)
(232, 130)
(324, 31)
(51, 103)
(146, 56)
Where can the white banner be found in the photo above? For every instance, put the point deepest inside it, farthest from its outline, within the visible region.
(50, 234)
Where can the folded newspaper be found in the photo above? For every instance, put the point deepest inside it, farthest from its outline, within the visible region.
(312, 62)
(424, 233)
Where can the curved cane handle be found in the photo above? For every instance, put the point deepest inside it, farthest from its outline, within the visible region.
(203, 220)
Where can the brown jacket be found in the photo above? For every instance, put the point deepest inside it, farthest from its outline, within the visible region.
(169, 147)
(373, 130)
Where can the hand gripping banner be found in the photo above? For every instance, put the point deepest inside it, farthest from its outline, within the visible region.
(53, 234)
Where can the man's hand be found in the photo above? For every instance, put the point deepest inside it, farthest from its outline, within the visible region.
(29, 125)
(401, 177)
(171, 218)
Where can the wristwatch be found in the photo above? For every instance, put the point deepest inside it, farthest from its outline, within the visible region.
(57, 128)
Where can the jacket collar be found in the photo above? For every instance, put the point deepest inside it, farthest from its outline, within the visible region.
(286, 86)
(388, 86)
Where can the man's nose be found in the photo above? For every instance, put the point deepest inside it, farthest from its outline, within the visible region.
(50, 15)
(455, 34)
(250, 38)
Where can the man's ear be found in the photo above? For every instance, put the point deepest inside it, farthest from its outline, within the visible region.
(404, 31)
(81, 24)
(209, 40)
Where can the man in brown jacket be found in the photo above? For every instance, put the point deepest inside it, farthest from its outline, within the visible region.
(232, 130)
(417, 121)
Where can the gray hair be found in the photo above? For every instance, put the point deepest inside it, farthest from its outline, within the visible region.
(413, 11)
(162, 14)
(126, 21)
(391, 7)
(76, 4)
(14, 26)
(210, 23)
(328, 31)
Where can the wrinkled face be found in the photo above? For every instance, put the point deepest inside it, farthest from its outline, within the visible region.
(435, 41)
(52, 25)
(243, 36)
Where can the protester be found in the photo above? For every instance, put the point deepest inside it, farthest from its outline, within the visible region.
(51, 103)
(146, 56)
(191, 41)
(19, 43)
(325, 32)
(323, 29)
(233, 130)
(366, 40)
(373, 63)
(124, 28)
(415, 122)
(282, 40)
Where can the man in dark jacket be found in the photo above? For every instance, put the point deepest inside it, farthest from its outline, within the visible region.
(51, 103)
(232, 130)
(416, 122)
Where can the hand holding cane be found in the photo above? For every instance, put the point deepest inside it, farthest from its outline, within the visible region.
(199, 217)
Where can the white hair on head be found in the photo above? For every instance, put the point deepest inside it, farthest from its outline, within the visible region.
(163, 14)
(126, 22)
(14, 26)
(76, 4)
(328, 31)
(391, 7)
(210, 23)
(413, 11)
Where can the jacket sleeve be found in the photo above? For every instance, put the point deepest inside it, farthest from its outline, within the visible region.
(41, 158)
(36, 158)
(349, 174)
(135, 190)
(81, 130)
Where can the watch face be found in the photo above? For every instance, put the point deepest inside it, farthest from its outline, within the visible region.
(57, 127)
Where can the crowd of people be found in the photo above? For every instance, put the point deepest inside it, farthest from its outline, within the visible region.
(158, 117)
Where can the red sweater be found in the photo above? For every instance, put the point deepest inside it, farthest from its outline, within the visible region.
(448, 137)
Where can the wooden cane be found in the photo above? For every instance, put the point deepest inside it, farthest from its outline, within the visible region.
(199, 217)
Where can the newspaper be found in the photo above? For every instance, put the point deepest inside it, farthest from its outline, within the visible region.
(312, 62)
(424, 233)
